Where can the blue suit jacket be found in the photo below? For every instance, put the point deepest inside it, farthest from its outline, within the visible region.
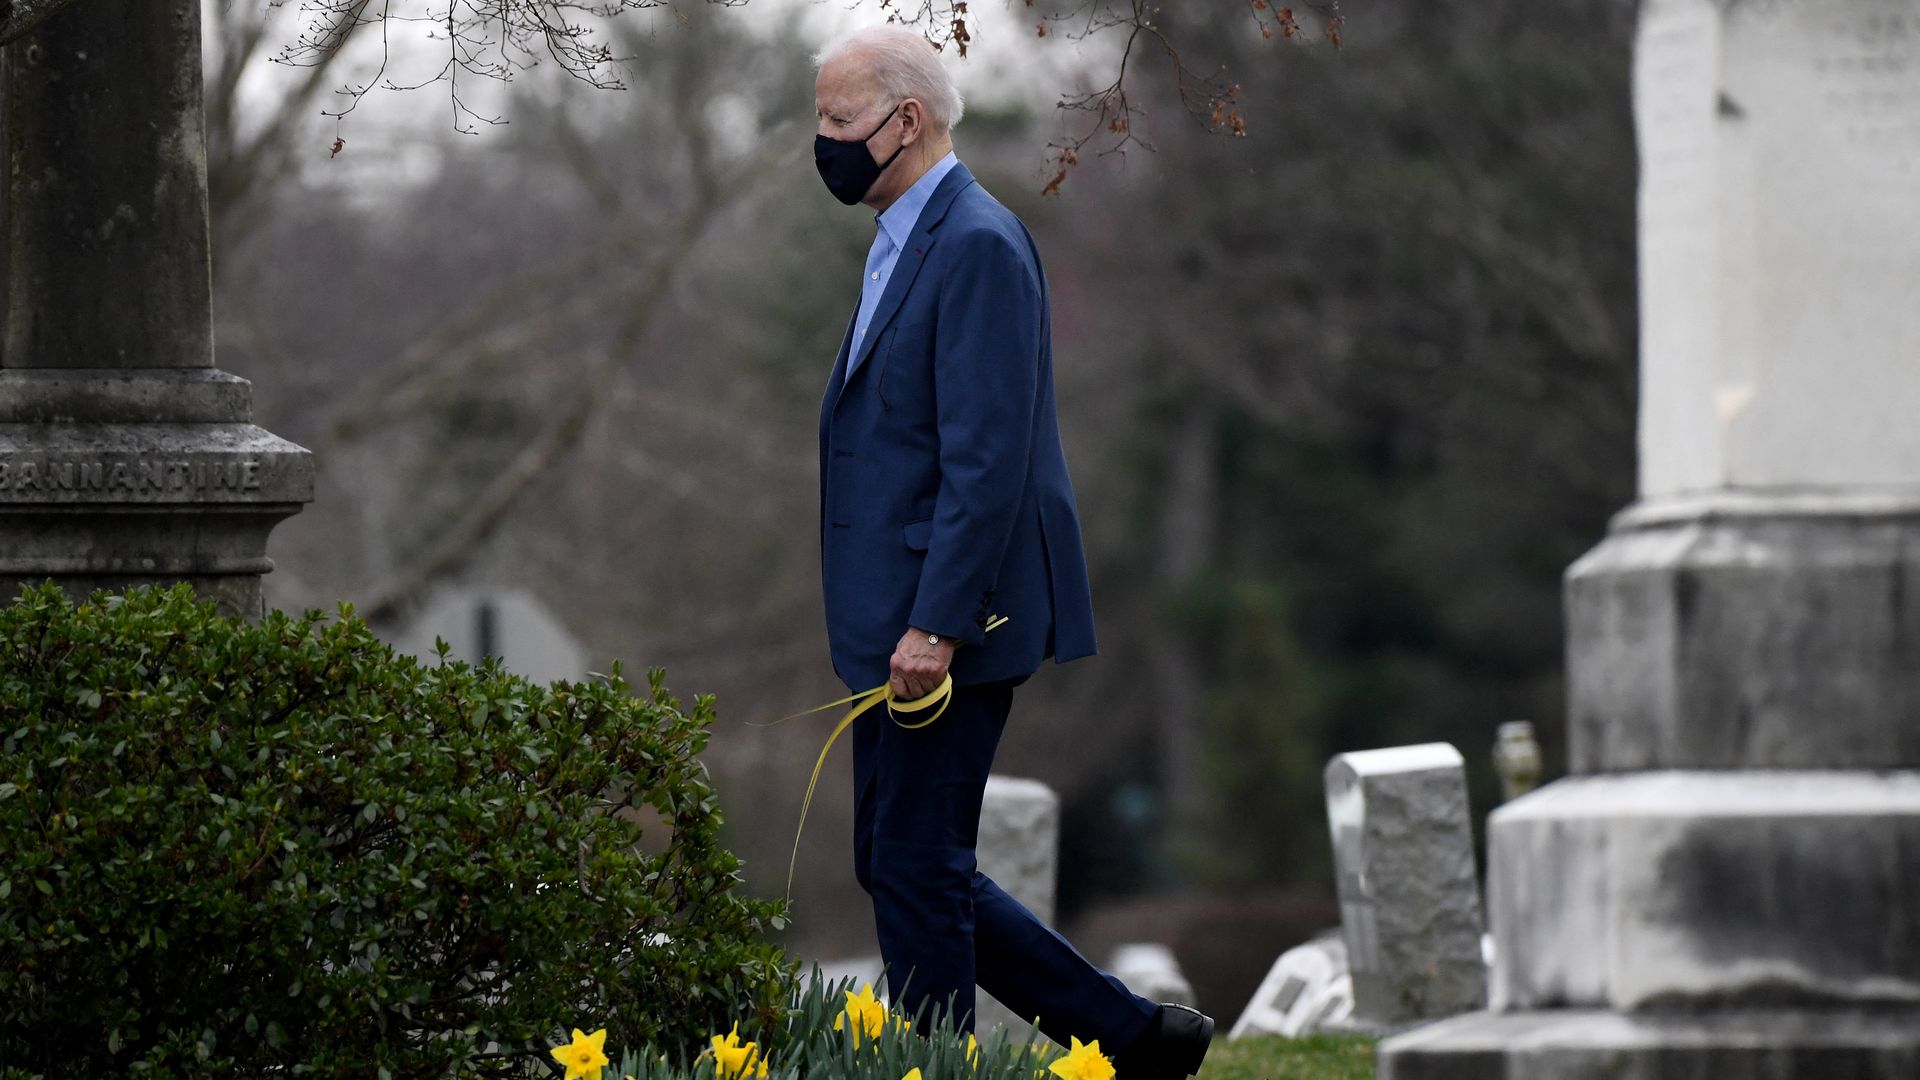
(944, 497)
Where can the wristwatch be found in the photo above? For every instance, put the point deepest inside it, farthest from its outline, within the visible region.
(933, 639)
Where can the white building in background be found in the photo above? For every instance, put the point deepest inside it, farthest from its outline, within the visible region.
(481, 621)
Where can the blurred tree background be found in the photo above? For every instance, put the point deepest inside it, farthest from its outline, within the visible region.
(1342, 399)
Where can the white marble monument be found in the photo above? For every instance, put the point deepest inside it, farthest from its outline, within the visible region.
(1725, 886)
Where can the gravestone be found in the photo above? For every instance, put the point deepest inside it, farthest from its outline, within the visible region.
(1516, 759)
(1153, 972)
(1409, 896)
(126, 458)
(1307, 990)
(1019, 848)
(1725, 885)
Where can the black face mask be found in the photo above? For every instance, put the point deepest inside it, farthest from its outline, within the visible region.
(847, 166)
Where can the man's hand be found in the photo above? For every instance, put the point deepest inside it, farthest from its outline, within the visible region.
(917, 666)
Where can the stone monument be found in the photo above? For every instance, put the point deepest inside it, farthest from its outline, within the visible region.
(1409, 894)
(125, 457)
(1516, 759)
(1152, 971)
(1726, 885)
(1307, 989)
(1019, 848)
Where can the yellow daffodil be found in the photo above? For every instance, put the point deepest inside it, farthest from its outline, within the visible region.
(912, 1074)
(735, 1060)
(585, 1056)
(973, 1051)
(1083, 1062)
(865, 1015)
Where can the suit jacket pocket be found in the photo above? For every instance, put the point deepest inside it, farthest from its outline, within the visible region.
(916, 534)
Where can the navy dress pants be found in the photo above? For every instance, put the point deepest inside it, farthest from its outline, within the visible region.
(943, 925)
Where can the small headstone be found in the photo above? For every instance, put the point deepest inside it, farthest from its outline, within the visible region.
(1307, 989)
(1409, 897)
(1516, 759)
(1153, 972)
(1019, 849)
(1019, 844)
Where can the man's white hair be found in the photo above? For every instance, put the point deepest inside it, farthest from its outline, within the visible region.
(903, 65)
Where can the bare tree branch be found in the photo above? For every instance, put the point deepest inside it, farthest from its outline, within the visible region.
(643, 293)
(1560, 290)
(241, 168)
(1212, 98)
(456, 543)
(477, 333)
(492, 39)
(495, 39)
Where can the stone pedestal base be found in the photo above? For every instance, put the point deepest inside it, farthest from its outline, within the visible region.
(239, 596)
(91, 499)
(1596, 1045)
(1747, 629)
(1704, 889)
(1725, 889)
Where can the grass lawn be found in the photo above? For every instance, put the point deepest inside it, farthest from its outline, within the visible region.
(1270, 1057)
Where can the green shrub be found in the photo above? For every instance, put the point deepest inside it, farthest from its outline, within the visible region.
(242, 850)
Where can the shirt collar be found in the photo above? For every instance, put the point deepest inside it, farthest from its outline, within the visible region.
(899, 219)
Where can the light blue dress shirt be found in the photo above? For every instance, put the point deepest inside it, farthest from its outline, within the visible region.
(895, 224)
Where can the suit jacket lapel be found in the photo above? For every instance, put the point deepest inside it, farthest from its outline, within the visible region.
(907, 267)
(835, 383)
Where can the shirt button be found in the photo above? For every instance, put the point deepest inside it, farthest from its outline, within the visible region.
(876, 275)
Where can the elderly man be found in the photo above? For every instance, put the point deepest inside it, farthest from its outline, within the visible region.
(945, 509)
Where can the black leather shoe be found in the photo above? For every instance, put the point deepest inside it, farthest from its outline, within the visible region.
(1171, 1048)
